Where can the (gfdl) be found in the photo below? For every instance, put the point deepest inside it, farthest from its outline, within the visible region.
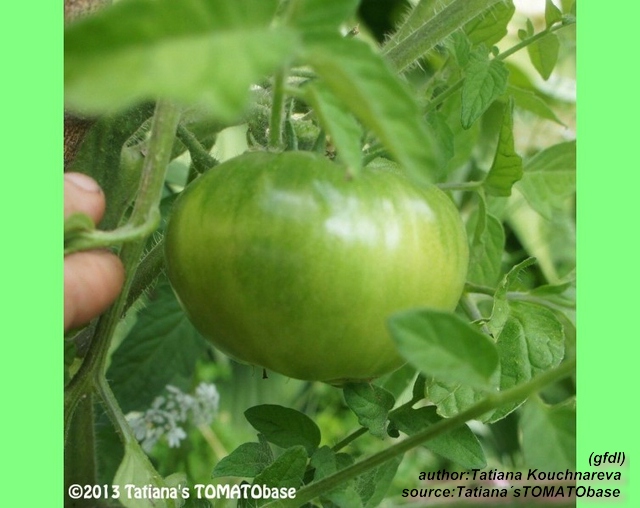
(283, 262)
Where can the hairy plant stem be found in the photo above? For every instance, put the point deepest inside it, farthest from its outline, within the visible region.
(91, 373)
(471, 309)
(148, 270)
(96, 239)
(491, 402)
(435, 30)
(200, 157)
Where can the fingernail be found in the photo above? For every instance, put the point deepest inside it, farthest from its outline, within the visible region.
(84, 182)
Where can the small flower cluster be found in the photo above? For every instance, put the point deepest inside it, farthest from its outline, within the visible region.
(168, 415)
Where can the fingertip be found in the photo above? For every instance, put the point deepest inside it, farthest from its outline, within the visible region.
(82, 194)
(92, 281)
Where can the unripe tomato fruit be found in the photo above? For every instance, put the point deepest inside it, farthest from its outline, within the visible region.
(284, 263)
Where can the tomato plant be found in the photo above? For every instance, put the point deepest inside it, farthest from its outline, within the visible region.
(286, 264)
(386, 206)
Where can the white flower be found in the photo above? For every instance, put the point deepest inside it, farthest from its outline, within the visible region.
(167, 414)
(175, 435)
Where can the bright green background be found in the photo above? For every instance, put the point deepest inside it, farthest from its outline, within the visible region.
(32, 244)
(31, 215)
(608, 201)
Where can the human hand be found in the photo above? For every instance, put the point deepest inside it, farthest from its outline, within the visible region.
(92, 279)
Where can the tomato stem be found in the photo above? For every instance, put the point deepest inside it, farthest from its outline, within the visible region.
(90, 376)
(200, 157)
(434, 30)
(277, 111)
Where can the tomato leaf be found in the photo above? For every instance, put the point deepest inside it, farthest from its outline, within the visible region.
(284, 427)
(144, 49)
(136, 469)
(286, 471)
(371, 404)
(506, 168)
(500, 311)
(487, 244)
(557, 451)
(452, 398)
(162, 348)
(443, 136)
(345, 131)
(325, 462)
(442, 345)
(248, 460)
(485, 81)
(313, 16)
(530, 342)
(363, 81)
(549, 178)
(490, 26)
(460, 445)
(374, 484)
(551, 242)
(551, 13)
(460, 47)
(543, 54)
(529, 101)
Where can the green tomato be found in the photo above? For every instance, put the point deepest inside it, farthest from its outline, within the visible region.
(284, 263)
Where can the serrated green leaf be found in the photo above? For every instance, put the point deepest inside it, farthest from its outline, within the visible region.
(459, 445)
(313, 16)
(143, 49)
(491, 26)
(529, 101)
(286, 471)
(557, 451)
(551, 242)
(371, 404)
(543, 54)
(325, 462)
(364, 82)
(530, 342)
(345, 131)
(506, 168)
(461, 47)
(419, 388)
(500, 311)
(550, 179)
(443, 136)
(551, 13)
(487, 244)
(247, 461)
(373, 485)
(442, 345)
(284, 426)
(485, 81)
(453, 398)
(530, 29)
(162, 348)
